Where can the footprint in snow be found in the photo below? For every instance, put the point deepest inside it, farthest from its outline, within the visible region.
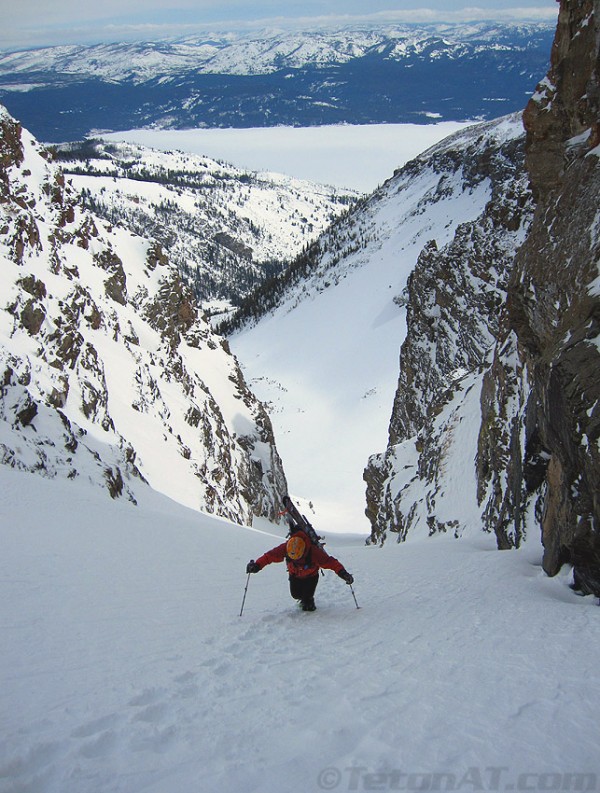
(99, 746)
(152, 713)
(95, 726)
(157, 741)
(187, 686)
(186, 677)
(33, 760)
(149, 696)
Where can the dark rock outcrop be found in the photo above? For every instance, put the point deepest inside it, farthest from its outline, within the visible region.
(453, 304)
(554, 301)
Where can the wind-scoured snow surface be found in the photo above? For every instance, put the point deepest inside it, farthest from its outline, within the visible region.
(126, 667)
(326, 360)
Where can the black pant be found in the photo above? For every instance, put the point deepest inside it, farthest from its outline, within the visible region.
(303, 588)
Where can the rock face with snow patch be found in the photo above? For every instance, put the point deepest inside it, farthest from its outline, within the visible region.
(107, 369)
(454, 297)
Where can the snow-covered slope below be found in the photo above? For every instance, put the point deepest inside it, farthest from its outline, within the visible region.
(125, 666)
(326, 358)
(225, 228)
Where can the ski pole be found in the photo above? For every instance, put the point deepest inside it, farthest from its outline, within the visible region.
(245, 591)
(353, 595)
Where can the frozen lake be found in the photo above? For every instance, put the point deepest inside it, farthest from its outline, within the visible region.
(359, 157)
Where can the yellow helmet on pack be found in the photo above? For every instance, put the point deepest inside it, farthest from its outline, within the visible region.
(295, 548)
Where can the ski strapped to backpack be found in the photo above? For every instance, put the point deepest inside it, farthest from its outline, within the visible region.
(301, 522)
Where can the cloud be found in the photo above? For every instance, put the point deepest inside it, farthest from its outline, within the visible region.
(422, 15)
(32, 23)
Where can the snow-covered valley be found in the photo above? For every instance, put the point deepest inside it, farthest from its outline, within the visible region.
(326, 360)
(126, 667)
(225, 228)
(328, 368)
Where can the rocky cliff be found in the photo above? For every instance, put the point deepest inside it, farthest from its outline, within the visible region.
(497, 415)
(454, 297)
(107, 369)
(553, 306)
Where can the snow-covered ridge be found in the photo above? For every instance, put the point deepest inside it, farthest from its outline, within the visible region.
(432, 476)
(428, 198)
(225, 228)
(108, 370)
(264, 51)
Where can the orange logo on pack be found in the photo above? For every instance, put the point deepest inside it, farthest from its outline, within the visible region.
(295, 548)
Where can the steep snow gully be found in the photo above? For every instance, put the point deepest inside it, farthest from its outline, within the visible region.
(126, 667)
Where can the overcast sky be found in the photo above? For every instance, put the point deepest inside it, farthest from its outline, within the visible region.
(25, 23)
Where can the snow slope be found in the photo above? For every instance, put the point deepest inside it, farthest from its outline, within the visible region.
(326, 360)
(125, 665)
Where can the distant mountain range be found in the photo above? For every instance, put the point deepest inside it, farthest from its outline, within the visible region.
(392, 74)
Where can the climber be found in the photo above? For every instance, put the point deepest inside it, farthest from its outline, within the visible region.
(304, 560)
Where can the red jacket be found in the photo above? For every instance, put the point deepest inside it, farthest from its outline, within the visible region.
(314, 558)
